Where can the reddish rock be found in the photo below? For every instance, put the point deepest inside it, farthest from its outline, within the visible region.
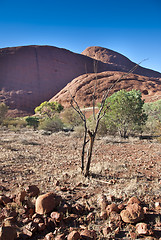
(38, 220)
(27, 232)
(117, 230)
(102, 202)
(157, 205)
(60, 237)
(134, 200)
(133, 235)
(65, 207)
(78, 209)
(112, 208)
(30, 75)
(145, 209)
(20, 197)
(74, 235)
(33, 191)
(106, 231)
(4, 200)
(10, 221)
(46, 203)
(8, 233)
(116, 59)
(121, 206)
(56, 216)
(49, 236)
(103, 215)
(41, 226)
(36, 215)
(82, 87)
(91, 217)
(49, 223)
(110, 198)
(31, 226)
(142, 229)
(132, 214)
(115, 217)
(88, 234)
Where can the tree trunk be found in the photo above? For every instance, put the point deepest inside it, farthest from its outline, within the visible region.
(83, 150)
(91, 143)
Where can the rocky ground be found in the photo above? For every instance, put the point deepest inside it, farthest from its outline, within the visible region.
(101, 207)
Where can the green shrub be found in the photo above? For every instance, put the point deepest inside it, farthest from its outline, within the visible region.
(71, 117)
(32, 121)
(51, 124)
(14, 123)
(125, 112)
(102, 129)
(49, 109)
(153, 110)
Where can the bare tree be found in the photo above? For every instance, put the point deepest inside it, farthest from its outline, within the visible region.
(89, 136)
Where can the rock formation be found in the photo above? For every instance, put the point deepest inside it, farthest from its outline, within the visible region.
(82, 87)
(117, 60)
(30, 75)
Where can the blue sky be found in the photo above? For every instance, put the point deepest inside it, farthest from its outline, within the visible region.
(132, 28)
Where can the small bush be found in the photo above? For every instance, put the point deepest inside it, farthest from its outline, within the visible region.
(12, 123)
(49, 109)
(79, 131)
(3, 112)
(71, 117)
(51, 124)
(32, 121)
(102, 129)
(153, 110)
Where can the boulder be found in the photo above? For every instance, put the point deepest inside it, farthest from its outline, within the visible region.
(56, 216)
(112, 208)
(88, 234)
(134, 200)
(20, 196)
(74, 235)
(132, 214)
(33, 191)
(4, 199)
(49, 236)
(46, 203)
(142, 229)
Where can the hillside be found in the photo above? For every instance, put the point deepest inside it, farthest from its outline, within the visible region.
(30, 75)
(118, 60)
(82, 88)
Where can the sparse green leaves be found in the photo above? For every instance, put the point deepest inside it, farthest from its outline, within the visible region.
(125, 112)
(49, 109)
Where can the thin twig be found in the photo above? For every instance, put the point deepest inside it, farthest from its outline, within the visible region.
(94, 92)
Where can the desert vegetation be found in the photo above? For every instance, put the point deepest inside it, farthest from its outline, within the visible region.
(42, 153)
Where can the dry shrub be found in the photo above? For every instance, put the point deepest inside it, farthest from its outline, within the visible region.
(71, 118)
(14, 123)
(51, 124)
(78, 131)
(158, 132)
(102, 129)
